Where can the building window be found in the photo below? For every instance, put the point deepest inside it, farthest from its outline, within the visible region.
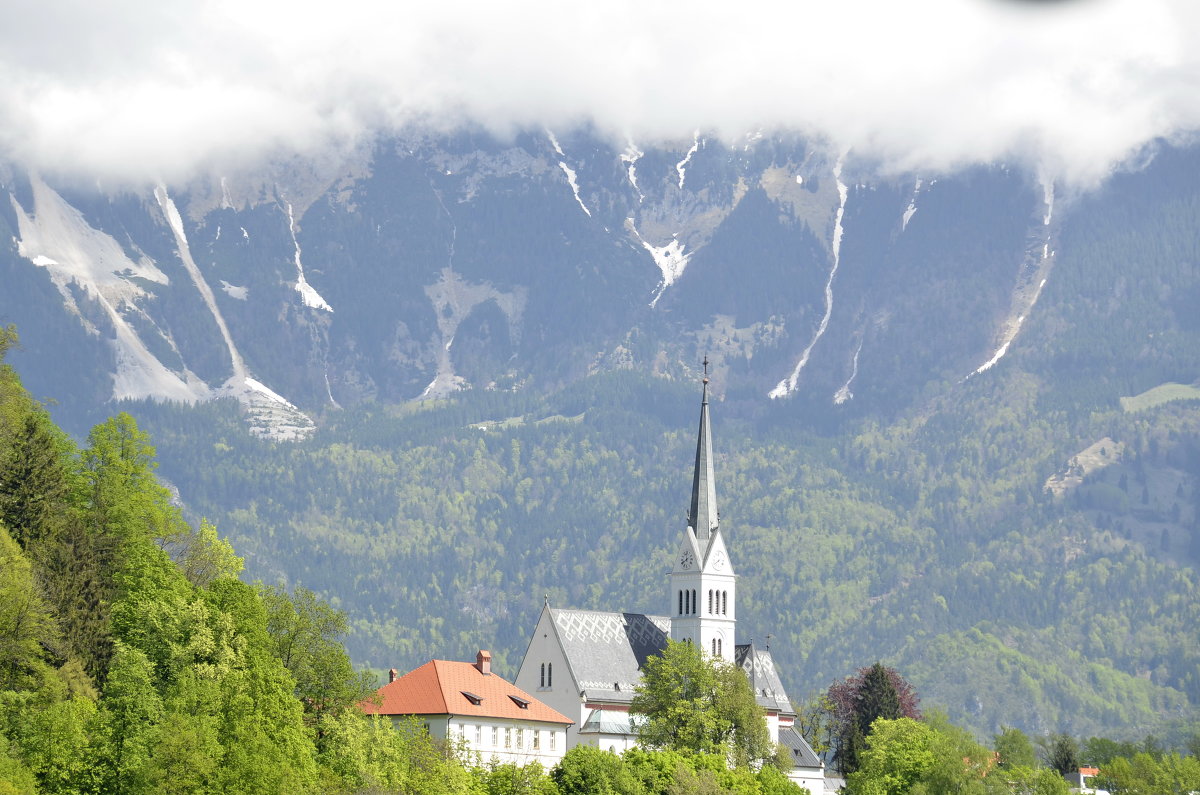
(553, 736)
(719, 649)
(695, 608)
(724, 602)
(520, 739)
(478, 735)
(537, 740)
(549, 674)
(710, 601)
(714, 647)
(507, 737)
(680, 603)
(543, 679)
(495, 737)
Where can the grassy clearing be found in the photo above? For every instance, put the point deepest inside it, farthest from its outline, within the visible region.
(1163, 393)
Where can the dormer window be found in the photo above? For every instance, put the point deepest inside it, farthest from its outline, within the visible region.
(474, 699)
(520, 702)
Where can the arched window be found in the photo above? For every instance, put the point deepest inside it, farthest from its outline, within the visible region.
(719, 650)
(710, 601)
(549, 674)
(695, 607)
(543, 679)
(680, 602)
(714, 647)
(724, 602)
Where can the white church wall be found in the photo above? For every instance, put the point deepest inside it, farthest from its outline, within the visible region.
(557, 689)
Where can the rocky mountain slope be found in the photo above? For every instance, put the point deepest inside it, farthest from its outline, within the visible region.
(467, 362)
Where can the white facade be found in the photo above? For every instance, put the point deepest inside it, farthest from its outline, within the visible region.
(484, 740)
(703, 594)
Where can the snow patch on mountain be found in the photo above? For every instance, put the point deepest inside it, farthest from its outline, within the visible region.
(630, 157)
(308, 295)
(1031, 279)
(56, 236)
(554, 143)
(269, 415)
(681, 166)
(912, 206)
(671, 260)
(788, 385)
(844, 394)
(233, 291)
(574, 183)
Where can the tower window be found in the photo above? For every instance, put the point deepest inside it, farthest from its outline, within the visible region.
(695, 608)
(710, 601)
(714, 647)
(719, 649)
(542, 681)
(724, 602)
(549, 674)
(681, 603)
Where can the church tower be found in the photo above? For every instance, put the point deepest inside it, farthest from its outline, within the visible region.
(702, 583)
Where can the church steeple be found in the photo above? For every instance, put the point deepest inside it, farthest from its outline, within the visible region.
(703, 516)
(703, 587)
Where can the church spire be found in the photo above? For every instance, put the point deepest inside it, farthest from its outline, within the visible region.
(703, 516)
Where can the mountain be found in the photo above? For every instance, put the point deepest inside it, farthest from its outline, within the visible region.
(441, 375)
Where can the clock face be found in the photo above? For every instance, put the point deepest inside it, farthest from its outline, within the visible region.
(686, 560)
(719, 561)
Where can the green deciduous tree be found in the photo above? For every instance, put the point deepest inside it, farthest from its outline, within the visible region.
(306, 635)
(26, 624)
(1143, 774)
(695, 703)
(1014, 748)
(898, 755)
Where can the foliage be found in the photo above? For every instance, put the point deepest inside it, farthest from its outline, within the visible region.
(898, 754)
(872, 693)
(305, 633)
(1144, 774)
(585, 769)
(1014, 748)
(933, 756)
(699, 704)
(1061, 752)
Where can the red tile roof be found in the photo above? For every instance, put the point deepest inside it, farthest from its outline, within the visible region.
(439, 686)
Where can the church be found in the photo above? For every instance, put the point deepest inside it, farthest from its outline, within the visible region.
(586, 663)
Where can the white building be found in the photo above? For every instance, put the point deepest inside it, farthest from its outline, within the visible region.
(586, 663)
(494, 719)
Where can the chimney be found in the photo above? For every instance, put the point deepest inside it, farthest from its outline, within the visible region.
(483, 661)
(392, 674)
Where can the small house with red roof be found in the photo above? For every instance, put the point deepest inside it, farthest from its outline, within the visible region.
(492, 718)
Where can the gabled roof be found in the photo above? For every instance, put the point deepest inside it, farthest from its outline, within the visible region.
(444, 687)
(759, 666)
(605, 651)
(802, 754)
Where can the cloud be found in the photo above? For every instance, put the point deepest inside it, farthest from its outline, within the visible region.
(141, 89)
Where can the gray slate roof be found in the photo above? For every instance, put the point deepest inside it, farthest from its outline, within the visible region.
(802, 752)
(759, 666)
(610, 721)
(606, 650)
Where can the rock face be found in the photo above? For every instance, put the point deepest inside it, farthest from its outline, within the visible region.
(430, 264)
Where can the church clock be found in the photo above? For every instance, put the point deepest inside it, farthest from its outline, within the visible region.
(687, 559)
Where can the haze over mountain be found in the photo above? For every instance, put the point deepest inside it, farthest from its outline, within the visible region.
(456, 271)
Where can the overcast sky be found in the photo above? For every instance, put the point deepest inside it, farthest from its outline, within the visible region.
(151, 89)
